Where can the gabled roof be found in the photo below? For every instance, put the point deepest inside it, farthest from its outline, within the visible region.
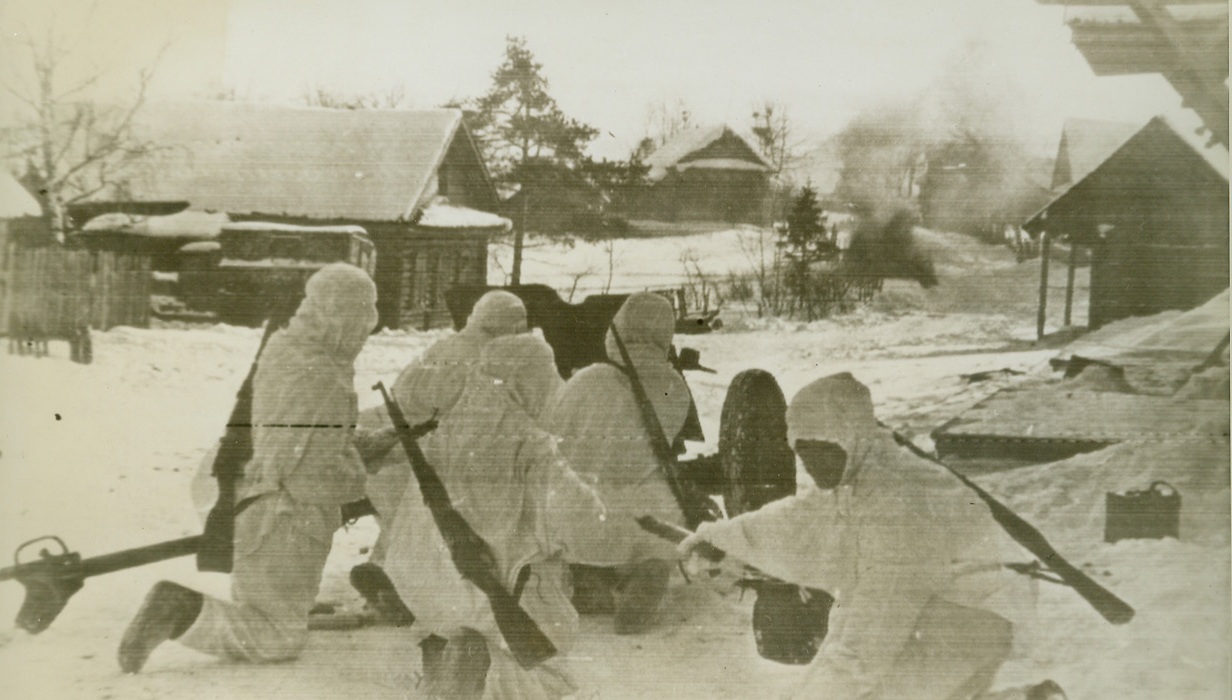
(1085, 143)
(676, 151)
(1163, 142)
(244, 158)
(1185, 41)
(15, 200)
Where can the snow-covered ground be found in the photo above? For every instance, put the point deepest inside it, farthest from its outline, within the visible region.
(104, 456)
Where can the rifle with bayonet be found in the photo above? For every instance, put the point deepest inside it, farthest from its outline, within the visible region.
(471, 555)
(696, 506)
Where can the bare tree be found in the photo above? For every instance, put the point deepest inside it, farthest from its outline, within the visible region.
(779, 145)
(69, 146)
(320, 96)
(663, 121)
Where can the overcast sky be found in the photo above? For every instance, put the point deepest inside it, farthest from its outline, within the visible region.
(609, 61)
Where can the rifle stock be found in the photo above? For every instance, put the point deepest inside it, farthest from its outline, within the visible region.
(470, 553)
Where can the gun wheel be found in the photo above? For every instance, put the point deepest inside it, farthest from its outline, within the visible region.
(757, 463)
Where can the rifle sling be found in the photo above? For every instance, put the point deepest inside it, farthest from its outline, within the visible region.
(658, 438)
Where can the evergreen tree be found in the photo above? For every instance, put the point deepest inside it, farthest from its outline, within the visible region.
(804, 242)
(524, 132)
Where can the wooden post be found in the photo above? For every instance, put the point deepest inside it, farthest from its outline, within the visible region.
(1045, 250)
(1069, 282)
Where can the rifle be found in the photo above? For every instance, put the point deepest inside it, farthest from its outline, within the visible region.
(1112, 608)
(751, 575)
(697, 507)
(216, 550)
(470, 553)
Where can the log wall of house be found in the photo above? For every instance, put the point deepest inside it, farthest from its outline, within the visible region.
(730, 196)
(429, 266)
(414, 267)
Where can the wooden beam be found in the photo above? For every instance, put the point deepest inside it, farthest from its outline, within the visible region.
(1122, 3)
(1045, 253)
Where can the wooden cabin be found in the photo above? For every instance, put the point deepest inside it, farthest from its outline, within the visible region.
(413, 179)
(1154, 215)
(706, 175)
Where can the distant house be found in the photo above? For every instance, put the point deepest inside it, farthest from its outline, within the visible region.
(1154, 214)
(413, 179)
(706, 175)
(1085, 143)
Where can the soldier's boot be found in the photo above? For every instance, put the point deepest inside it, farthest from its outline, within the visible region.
(1047, 690)
(640, 594)
(432, 650)
(374, 585)
(168, 611)
(593, 589)
(460, 669)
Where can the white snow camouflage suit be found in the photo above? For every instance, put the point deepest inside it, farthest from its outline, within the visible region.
(434, 382)
(304, 467)
(912, 557)
(507, 479)
(602, 435)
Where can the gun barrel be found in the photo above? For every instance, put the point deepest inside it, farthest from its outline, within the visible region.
(140, 556)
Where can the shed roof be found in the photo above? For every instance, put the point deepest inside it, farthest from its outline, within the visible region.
(1170, 141)
(184, 224)
(445, 216)
(15, 200)
(245, 158)
(677, 148)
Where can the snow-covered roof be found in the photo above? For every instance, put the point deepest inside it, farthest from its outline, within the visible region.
(186, 224)
(1184, 127)
(450, 216)
(15, 200)
(201, 247)
(274, 160)
(294, 228)
(689, 141)
(1187, 127)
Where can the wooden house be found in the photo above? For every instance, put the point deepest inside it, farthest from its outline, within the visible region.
(1154, 215)
(706, 175)
(413, 179)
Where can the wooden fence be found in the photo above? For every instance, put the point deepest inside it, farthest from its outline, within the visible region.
(50, 292)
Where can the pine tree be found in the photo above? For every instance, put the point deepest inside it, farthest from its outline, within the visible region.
(524, 132)
(804, 242)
